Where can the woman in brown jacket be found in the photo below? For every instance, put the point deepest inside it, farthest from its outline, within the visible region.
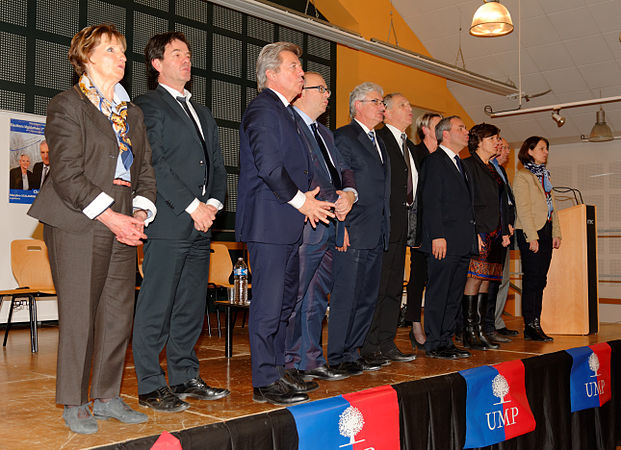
(537, 230)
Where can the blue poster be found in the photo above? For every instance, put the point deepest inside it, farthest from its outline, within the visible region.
(28, 160)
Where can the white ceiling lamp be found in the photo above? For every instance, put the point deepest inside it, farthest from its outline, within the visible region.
(601, 132)
(491, 20)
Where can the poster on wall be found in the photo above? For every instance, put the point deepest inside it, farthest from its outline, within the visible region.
(29, 161)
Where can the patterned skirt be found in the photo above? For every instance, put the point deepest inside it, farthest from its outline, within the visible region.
(487, 265)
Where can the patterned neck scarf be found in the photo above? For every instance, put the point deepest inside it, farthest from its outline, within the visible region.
(116, 114)
(543, 175)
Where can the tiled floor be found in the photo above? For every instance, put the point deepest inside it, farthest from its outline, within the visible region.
(30, 419)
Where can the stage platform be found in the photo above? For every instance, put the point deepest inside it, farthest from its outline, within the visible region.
(31, 419)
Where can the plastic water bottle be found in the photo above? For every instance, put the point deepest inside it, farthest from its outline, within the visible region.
(240, 277)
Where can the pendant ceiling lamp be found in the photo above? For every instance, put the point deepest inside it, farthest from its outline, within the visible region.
(601, 132)
(491, 20)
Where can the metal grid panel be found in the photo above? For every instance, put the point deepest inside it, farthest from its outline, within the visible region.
(252, 53)
(224, 98)
(12, 57)
(14, 11)
(12, 101)
(198, 87)
(102, 12)
(40, 105)
(251, 93)
(614, 181)
(192, 9)
(227, 54)
(319, 47)
(146, 26)
(157, 4)
(63, 20)
(289, 35)
(198, 41)
(139, 79)
(260, 29)
(52, 68)
(229, 141)
(321, 68)
(230, 204)
(227, 19)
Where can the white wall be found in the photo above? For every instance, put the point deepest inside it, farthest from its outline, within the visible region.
(15, 224)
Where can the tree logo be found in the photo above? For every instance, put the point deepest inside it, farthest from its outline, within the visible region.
(500, 388)
(594, 364)
(351, 422)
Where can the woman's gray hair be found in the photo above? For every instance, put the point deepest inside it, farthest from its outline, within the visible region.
(360, 92)
(269, 59)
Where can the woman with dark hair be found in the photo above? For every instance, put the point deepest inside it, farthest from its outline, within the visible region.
(94, 205)
(490, 208)
(537, 230)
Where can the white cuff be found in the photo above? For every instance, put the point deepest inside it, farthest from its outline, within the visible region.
(298, 200)
(140, 202)
(192, 206)
(354, 191)
(215, 203)
(97, 206)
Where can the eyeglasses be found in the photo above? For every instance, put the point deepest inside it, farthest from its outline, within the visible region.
(321, 89)
(375, 101)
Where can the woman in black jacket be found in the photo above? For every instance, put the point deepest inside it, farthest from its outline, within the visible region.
(490, 206)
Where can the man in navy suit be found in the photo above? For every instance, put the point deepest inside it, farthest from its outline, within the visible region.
(357, 269)
(449, 236)
(191, 184)
(336, 184)
(379, 342)
(272, 204)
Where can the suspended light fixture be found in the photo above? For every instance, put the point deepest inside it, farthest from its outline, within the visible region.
(560, 120)
(601, 132)
(491, 20)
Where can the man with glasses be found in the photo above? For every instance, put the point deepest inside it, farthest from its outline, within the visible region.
(357, 267)
(336, 184)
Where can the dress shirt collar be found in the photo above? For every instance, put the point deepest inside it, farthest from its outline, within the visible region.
(364, 127)
(282, 98)
(175, 93)
(307, 120)
(451, 154)
(396, 132)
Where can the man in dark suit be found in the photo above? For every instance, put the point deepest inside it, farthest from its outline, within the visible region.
(336, 184)
(273, 201)
(41, 169)
(403, 180)
(191, 185)
(426, 131)
(357, 269)
(448, 236)
(494, 327)
(20, 177)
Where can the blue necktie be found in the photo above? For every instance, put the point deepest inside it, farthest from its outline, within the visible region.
(372, 137)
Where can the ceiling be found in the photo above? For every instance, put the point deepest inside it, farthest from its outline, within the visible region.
(569, 46)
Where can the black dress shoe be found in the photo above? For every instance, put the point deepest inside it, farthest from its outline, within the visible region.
(507, 332)
(371, 364)
(375, 358)
(394, 354)
(497, 338)
(163, 399)
(278, 393)
(323, 373)
(460, 352)
(294, 379)
(441, 353)
(197, 388)
(350, 368)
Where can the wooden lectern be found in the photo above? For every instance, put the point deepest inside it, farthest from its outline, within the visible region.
(570, 300)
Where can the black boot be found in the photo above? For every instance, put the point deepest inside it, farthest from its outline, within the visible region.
(481, 311)
(537, 326)
(531, 333)
(470, 335)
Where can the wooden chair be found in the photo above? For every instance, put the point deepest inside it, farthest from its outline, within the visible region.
(31, 269)
(220, 269)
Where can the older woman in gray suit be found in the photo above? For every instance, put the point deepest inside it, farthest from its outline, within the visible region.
(94, 206)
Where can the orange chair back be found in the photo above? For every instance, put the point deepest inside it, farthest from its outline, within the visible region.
(220, 265)
(30, 264)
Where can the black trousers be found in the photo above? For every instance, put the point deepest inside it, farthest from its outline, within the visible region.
(535, 268)
(416, 285)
